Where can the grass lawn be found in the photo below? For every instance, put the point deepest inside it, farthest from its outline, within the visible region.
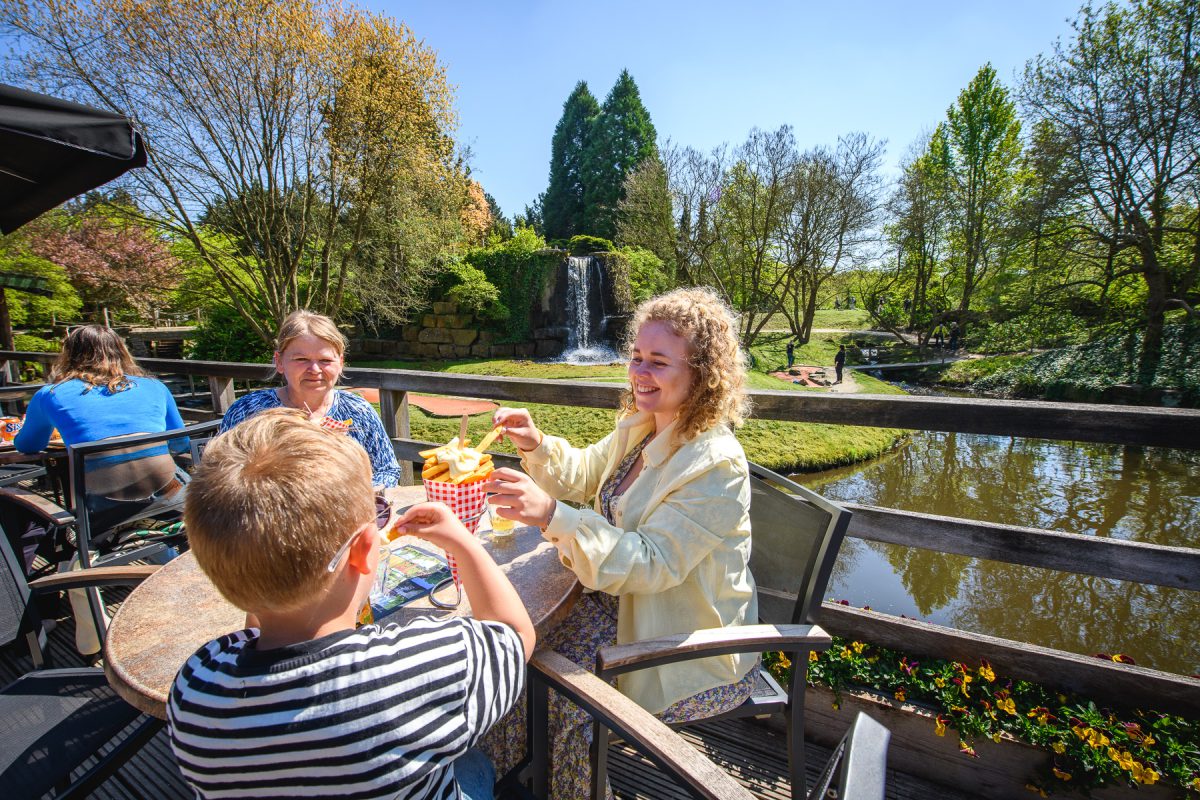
(846, 320)
(782, 446)
(963, 373)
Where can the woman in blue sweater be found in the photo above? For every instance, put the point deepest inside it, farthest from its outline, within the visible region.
(97, 391)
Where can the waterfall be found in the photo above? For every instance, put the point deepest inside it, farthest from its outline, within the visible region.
(583, 345)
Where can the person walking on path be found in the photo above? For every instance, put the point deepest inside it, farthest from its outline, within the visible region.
(839, 362)
(939, 335)
(791, 352)
(953, 337)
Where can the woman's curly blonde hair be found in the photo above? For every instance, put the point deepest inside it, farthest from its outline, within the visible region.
(710, 328)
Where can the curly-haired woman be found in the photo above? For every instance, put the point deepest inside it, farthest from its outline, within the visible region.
(665, 547)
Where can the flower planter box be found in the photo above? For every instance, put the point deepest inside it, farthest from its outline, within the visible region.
(1002, 769)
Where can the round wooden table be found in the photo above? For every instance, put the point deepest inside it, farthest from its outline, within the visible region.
(177, 610)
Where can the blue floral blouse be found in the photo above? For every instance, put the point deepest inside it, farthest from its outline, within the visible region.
(366, 428)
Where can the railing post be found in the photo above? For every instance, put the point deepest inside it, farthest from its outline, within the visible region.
(393, 409)
(223, 394)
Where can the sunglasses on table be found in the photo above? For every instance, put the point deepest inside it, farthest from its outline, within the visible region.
(383, 515)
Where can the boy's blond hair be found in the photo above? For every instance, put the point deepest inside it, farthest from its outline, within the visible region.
(271, 502)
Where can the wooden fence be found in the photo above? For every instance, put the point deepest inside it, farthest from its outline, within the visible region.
(1117, 685)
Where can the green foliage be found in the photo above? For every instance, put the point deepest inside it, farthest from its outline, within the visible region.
(622, 137)
(1085, 371)
(35, 344)
(562, 205)
(518, 269)
(645, 215)
(471, 290)
(964, 373)
(33, 310)
(225, 336)
(582, 245)
(1092, 746)
(647, 274)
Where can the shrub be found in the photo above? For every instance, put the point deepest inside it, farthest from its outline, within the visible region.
(225, 336)
(471, 290)
(586, 245)
(518, 269)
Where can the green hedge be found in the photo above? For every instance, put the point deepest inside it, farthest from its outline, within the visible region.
(519, 269)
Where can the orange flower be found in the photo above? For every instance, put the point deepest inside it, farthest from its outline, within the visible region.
(1062, 776)
(1036, 789)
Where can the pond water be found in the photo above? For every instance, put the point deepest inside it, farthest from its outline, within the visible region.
(1135, 493)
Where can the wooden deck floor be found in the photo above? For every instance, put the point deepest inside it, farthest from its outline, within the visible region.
(753, 753)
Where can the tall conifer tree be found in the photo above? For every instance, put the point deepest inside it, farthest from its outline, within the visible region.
(563, 203)
(622, 138)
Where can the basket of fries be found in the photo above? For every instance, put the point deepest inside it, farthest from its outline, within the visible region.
(454, 474)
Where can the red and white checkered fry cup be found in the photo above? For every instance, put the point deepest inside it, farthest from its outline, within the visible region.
(468, 502)
(336, 425)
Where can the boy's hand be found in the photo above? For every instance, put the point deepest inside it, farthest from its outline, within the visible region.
(435, 523)
(518, 427)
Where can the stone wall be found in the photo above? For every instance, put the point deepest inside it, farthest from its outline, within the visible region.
(443, 333)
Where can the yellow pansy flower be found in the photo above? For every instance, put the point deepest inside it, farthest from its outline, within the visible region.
(1058, 747)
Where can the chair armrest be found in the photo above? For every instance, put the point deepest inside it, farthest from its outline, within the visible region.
(130, 575)
(635, 725)
(50, 513)
(860, 762)
(621, 658)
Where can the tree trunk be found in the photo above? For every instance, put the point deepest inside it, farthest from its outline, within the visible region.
(1152, 334)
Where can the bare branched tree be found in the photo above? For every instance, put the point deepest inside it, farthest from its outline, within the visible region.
(302, 149)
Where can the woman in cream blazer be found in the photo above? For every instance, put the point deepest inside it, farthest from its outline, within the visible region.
(665, 545)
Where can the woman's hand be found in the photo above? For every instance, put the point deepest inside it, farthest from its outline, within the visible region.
(517, 497)
(519, 427)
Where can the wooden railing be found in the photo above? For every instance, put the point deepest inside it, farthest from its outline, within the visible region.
(1118, 685)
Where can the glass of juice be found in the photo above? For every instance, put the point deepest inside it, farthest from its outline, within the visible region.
(502, 528)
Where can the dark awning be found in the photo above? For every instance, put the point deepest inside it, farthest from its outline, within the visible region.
(52, 150)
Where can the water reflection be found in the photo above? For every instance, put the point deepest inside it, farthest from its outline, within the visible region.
(1133, 493)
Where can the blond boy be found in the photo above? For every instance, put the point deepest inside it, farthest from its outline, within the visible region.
(282, 518)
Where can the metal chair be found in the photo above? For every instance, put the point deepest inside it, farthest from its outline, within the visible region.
(126, 479)
(671, 753)
(796, 535)
(54, 721)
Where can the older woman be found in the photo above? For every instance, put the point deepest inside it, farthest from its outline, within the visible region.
(666, 544)
(309, 354)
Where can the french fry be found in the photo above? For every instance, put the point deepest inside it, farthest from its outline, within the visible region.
(432, 453)
(487, 440)
(435, 471)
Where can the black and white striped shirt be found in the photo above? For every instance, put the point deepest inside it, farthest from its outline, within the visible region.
(372, 713)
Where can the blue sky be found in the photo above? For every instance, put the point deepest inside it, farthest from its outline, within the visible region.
(710, 71)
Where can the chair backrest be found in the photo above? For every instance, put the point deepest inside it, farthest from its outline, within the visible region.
(125, 469)
(795, 538)
(14, 593)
